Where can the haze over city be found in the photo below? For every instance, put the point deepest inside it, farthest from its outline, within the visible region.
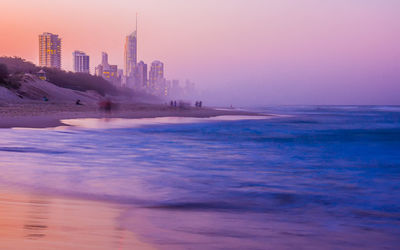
(244, 53)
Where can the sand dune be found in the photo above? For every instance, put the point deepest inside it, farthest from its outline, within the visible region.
(33, 90)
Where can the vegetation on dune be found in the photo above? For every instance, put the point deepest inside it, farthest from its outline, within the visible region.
(18, 65)
(9, 80)
(79, 81)
(3, 73)
(15, 67)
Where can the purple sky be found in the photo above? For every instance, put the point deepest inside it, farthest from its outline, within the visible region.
(244, 52)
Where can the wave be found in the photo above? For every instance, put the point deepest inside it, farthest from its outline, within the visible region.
(30, 150)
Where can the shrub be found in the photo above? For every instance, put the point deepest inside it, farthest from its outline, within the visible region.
(79, 81)
(18, 65)
(3, 73)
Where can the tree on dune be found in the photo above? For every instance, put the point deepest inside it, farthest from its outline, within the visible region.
(3, 73)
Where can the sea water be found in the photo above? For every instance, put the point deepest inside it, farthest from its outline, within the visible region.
(311, 177)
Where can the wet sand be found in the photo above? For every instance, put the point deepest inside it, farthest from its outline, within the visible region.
(32, 221)
(39, 115)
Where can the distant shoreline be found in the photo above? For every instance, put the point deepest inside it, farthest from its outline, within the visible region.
(47, 115)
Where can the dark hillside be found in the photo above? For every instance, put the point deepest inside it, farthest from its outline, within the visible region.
(70, 80)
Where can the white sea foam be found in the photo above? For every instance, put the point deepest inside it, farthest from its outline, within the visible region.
(110, 123)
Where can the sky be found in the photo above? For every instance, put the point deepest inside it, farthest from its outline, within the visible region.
(240, 52)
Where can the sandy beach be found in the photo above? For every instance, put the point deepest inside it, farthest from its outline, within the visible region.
(30, 220)
(43, 115)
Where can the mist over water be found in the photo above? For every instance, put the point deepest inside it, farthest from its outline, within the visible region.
(314, 177)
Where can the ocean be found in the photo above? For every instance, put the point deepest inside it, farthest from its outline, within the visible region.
(310, 177)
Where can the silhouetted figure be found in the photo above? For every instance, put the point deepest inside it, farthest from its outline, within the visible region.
(200, 104)
(106, 105)
(171, 103)
(174, 103)
(78, 102)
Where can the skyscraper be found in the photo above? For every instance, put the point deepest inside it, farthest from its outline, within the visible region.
(130, 53)
(49, 50)
(81, 62)
(104, 59)
(141, 74)
(107, 71)
(156, 76)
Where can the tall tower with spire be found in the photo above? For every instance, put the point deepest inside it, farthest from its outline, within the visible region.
(131, 53)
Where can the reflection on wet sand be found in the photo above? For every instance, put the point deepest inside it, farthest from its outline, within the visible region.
(42, 222)
(37, 215)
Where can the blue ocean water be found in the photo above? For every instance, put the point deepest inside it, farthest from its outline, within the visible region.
(313, 177)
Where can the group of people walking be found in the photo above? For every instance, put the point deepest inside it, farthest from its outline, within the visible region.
(173, 103)
(199, 104)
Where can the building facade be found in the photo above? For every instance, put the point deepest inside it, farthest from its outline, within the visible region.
(49, 50)
(130, 54)
(156, 74)
(141, 75)
(107, 71)
(81, 62)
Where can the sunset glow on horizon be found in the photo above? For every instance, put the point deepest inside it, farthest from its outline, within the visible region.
(245, 52)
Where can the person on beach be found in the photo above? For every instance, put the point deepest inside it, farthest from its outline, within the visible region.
(106, 105)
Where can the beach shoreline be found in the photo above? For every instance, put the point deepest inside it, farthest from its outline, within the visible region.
(39, 115)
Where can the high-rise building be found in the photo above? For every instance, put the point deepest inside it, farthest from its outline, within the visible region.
(107, 71)
(49, 51)
(130, 53)
(104, 59)
(141, 74)
(81, 62)
(167, 88)
(156, 74)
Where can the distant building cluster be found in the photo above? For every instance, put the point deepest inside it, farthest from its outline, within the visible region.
(135, 75)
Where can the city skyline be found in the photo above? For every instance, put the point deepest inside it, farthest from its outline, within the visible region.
(274, 52)
(134, 76)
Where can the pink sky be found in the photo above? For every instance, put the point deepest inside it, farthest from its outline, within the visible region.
(239, 51)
